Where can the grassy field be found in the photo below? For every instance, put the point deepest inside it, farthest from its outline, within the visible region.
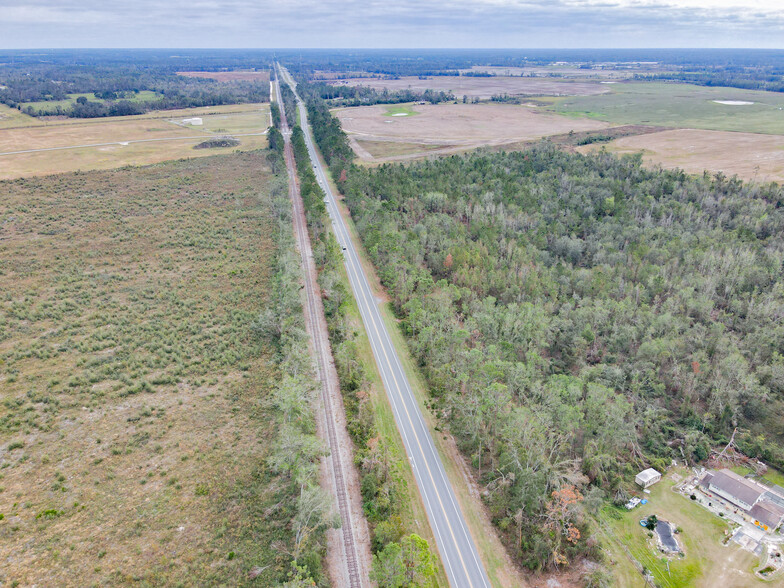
(120, 130)
(244, 122)
(400, 110)
(751, 156)
(132, 436)
(679, 106)
(387, 149)
(22, 120)
(11, 117)
(773, 476)
(50, 105)
(706, 563)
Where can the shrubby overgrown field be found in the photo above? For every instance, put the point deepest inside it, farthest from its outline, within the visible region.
(156, 423)
(579, 318)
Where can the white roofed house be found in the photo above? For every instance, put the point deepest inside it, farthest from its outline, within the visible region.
(736, 489)
(762, 503)
(647, 477)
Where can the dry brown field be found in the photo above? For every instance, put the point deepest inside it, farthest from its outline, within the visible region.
(750, 156)
(133, 438)
(565, 71)
(484, 88)
(111, 133)
(449, 127)
(333, 75)
(228, 76)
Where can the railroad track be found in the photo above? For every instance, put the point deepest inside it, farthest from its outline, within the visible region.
(319, 336)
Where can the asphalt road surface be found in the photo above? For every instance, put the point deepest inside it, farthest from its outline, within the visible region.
(351, 564)
(455, 544)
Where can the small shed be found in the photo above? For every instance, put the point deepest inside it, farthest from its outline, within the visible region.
(196, 121)
(647, 477)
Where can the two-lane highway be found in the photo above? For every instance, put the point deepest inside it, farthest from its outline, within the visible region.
(353, 572)
(455, 544)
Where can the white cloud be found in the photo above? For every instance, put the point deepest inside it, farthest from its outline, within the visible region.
(397, 23)
(50, 14)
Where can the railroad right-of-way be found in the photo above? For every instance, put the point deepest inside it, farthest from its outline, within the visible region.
(354, 544)
(458, 551)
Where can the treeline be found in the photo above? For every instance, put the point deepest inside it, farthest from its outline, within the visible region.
(400, 558)
(579, 318)
(364, 95)
(329, 136)
(765, 78)
(433, 62)
(296, 450)
(289, 104)
(116, 84)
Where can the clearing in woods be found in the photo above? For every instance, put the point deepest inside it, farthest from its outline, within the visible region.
(450, 127)
(707, 562)
(750, 156)
(248, 118)
(51, 105)
(132, 436)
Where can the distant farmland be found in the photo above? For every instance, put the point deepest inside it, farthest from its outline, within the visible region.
(103, 143)
(483, 87)
(228, 76)
(681, 106)
(381, 132)
(751, 156)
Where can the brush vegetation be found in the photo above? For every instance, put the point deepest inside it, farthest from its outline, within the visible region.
(156, 422)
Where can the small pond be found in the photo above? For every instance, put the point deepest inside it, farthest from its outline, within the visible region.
(666, 538)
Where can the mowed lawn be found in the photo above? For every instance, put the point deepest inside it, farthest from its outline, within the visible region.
(707, 562)
(133, 431)
(679, 106)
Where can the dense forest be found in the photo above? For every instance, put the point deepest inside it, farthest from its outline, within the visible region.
(428, 62)
(364, 96)
(579, 318)
(116, 79)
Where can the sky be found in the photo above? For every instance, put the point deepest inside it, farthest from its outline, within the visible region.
(28, 24)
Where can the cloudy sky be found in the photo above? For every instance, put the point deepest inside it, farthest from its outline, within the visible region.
(392, 23)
